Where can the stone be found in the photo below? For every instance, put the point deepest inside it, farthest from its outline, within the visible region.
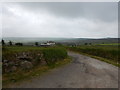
(38, 54)
(26, 65)
(5, 64)
(14, 68)
(5, 61)
(43, 62)
(7, 70)
(24, 58)
(11, 63)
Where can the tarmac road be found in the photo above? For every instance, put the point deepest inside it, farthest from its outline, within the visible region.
(83, 72)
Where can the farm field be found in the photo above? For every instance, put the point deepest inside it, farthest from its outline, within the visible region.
(110, 44)
(105, 52)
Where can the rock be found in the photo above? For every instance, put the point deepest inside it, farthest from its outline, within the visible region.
(24, 58)
(21, 57)
(11, 63)
(7, 70)
(13, 80)
(16, 55)
(14, 68)
(5, 64)
(43, 62)
(16, 64)
(5, 61)
(26, 65)
(38, 54)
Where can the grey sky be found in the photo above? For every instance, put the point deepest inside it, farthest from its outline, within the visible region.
(64, 19)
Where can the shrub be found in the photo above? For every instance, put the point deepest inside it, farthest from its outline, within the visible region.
(52, 55)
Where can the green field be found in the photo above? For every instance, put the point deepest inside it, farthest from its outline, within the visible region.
(110, 44)
(108, 53)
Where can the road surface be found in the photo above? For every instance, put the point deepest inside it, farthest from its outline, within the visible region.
(83, 72)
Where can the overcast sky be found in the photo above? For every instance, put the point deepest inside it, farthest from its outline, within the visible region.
(83, 20)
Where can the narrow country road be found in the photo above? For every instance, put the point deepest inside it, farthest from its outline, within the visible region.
(83, 72)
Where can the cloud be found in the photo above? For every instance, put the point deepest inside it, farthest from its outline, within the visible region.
(60, 19)
(106, 11)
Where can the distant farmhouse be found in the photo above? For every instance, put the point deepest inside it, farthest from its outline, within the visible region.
(49, 43)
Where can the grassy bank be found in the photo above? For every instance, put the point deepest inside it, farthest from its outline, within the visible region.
(19, 76)
(50, 54)
(53, 56)
(107, 53)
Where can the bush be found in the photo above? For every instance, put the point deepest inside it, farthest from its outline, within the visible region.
(18, 44)
(52, 55)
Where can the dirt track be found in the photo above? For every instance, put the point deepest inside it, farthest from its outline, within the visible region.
(83, 72)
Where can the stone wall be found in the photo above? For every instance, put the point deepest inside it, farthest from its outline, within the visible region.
(23, 60)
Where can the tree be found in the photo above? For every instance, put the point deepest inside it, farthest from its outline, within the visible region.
(3, 42)
(90, 43)
(18, 44)
(36, 43)
(10, 43)
(86, 43)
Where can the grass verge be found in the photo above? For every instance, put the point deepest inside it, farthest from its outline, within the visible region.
(101, 59)
(20, 75)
